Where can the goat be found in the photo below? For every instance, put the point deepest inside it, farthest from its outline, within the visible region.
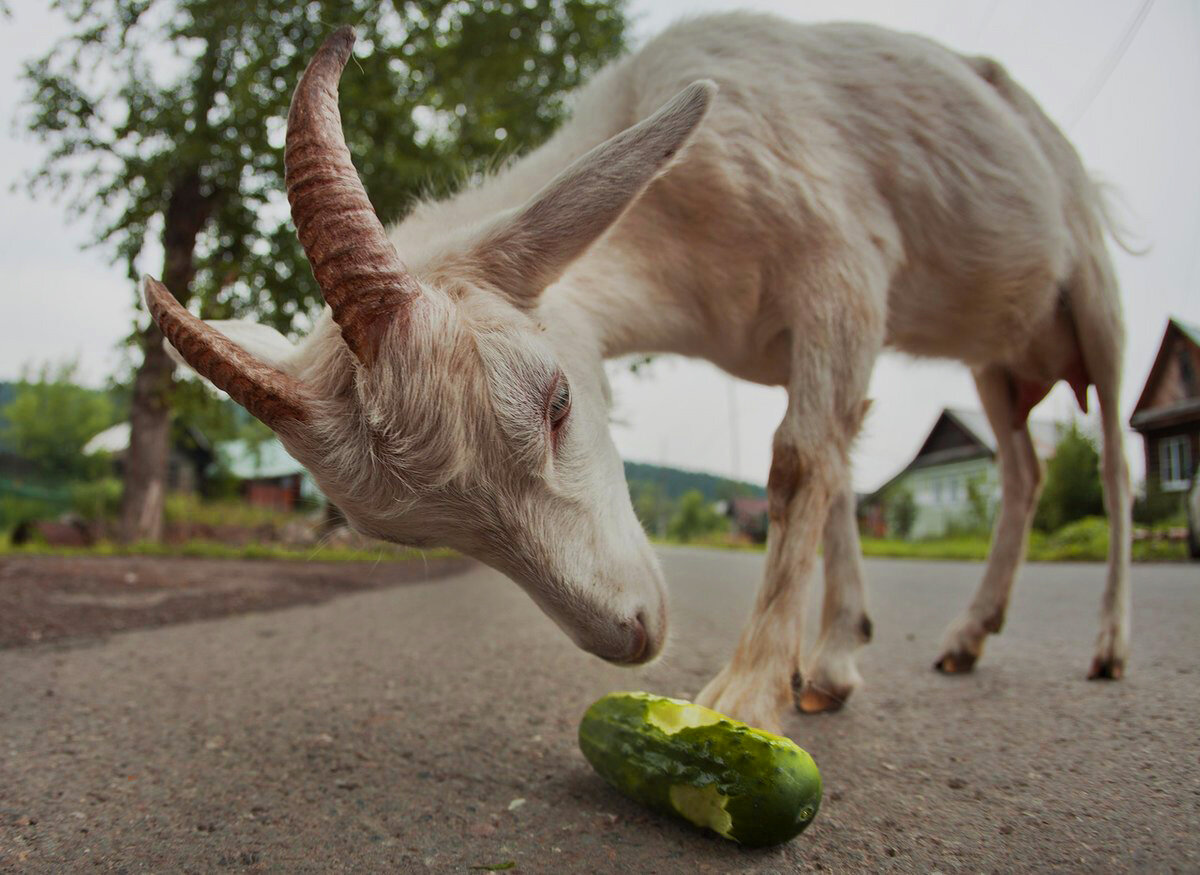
(848, 189)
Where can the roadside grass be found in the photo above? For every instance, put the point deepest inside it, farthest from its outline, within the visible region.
(185, 508)
(215, 550)
(1083, 541)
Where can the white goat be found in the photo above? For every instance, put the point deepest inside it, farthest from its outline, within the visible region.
(850, 189)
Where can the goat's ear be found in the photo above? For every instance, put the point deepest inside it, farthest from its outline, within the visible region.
(530, 250)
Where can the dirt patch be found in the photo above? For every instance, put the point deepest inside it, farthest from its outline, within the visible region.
(47, 598)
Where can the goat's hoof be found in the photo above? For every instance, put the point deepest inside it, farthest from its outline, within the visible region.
(1110, 669)
(813, 699)
(959, 662)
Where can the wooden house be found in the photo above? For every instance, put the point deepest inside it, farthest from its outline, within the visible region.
(1167, 414)
(953, 471)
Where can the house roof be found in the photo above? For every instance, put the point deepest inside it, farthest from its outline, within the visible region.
(114, 439)
(1189, 330)
(959, 434)
(1150, 410)
(258, 461)
(1045, 434)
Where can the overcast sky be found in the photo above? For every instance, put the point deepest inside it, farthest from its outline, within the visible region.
(1122, 77)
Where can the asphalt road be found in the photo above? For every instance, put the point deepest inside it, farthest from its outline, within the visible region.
(431, 727)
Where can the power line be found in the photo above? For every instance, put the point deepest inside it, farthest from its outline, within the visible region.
(1110, 63)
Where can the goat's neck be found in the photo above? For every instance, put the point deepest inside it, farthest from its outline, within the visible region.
(624, 293)
(625, 304)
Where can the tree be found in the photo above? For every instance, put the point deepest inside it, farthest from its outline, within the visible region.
(1072, 489)
(651, 504)
(50, 420)
(170, 113)
(694, 517)
(979, 503)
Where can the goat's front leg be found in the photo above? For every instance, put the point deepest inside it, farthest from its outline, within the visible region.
(831, 674)
(756, 685)
(837, 335)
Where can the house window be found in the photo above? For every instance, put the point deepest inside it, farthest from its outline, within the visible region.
(1174, 463)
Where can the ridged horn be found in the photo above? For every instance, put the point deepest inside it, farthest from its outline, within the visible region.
(356, 266)
(271, 395)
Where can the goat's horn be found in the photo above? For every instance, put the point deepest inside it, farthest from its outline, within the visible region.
(273, 396)
(358, 270)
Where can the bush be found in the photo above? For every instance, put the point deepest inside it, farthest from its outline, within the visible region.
(15, 509)
(97, 500)
(1085, 539)
(694, 518)
(901, 513)
(1155, 506)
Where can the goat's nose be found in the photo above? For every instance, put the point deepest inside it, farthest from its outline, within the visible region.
(640, 649)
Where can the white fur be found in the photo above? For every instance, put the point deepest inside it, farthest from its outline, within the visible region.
(851, 189)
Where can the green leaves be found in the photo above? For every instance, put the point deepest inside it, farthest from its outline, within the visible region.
(50, 420)
(1072, 490)
(145, 95)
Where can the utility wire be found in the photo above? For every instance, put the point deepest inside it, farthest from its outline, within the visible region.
(1110, 64)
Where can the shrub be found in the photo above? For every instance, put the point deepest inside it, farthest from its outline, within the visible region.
(694, 518)
(1084, 540)
(901, 513)
(97, 500)
(16, 509)
(1154, 506)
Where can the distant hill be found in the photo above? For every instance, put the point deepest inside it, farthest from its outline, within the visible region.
(675, 482)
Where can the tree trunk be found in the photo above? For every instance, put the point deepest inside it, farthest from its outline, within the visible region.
(146, 460)
(149, 443)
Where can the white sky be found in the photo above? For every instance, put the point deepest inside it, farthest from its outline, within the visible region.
(1138, 127)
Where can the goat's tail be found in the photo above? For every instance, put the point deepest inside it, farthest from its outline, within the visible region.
(1097, 194)
(1104, 194)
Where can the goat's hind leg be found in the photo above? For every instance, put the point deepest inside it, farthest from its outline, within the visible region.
(1102, 341)
(1112, 644)
(1020, 484)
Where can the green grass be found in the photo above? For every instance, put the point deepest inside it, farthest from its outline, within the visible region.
(184, 508)
(719, 540)
(964, 547)
(213, 550)
(1082, 541)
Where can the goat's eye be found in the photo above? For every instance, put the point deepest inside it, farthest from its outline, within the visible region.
(560, 403)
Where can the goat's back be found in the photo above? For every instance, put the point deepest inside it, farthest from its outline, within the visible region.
(937, 163)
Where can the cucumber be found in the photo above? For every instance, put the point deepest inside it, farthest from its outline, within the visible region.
(689, 761)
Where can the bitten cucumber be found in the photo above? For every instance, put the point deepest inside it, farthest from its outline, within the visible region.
(689, 761)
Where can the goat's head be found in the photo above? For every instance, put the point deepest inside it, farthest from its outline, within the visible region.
(436, 409)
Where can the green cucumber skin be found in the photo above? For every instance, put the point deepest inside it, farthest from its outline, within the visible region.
(774, 788)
